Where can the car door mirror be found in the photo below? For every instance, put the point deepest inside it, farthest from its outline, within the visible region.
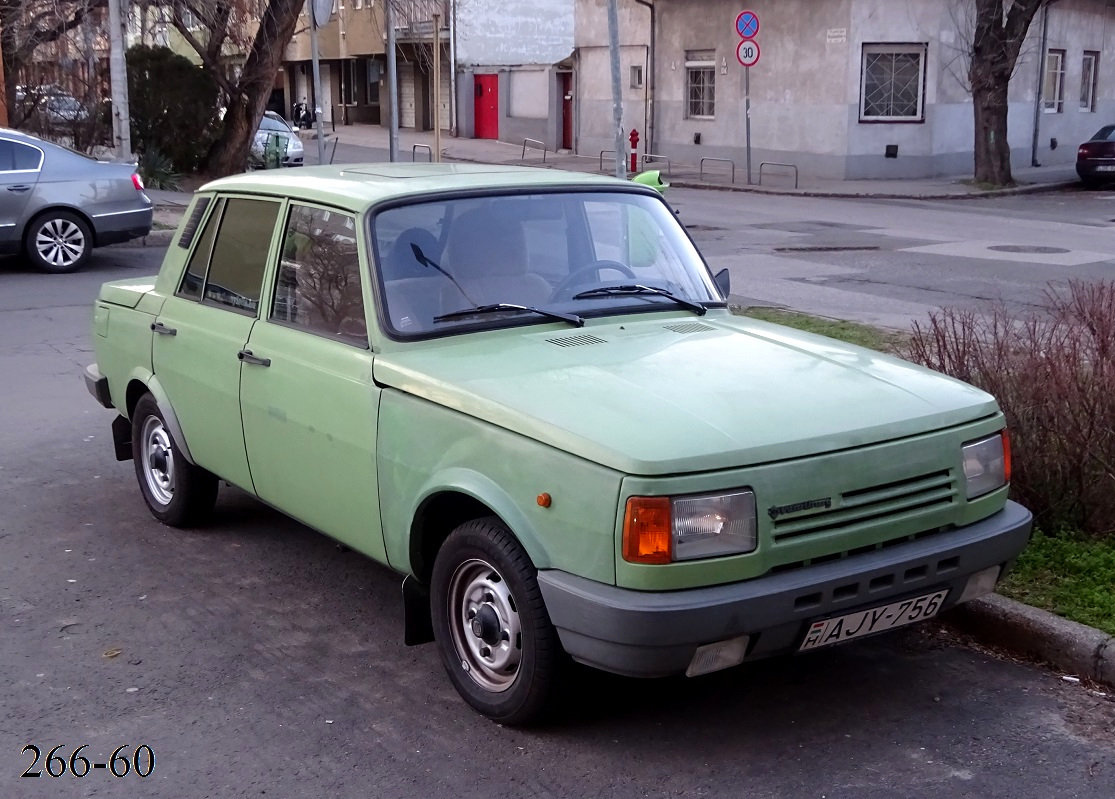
(723, 282)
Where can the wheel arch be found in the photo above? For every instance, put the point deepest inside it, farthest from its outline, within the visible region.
(137, 388)
(41, 212)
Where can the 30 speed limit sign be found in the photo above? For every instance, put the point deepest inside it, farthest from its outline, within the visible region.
(747, 52)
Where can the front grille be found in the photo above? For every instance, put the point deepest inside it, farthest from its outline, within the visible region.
(896, 501)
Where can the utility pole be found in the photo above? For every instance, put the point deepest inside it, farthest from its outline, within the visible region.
(437, 87)
(392, 80)
(320, 12)
(617, 88)
(118, 80)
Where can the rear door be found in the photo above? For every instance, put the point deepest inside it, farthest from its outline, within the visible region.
(203, 329)
(20, 165)
(309, 403)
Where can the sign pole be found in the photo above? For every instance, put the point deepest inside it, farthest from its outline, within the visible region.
(315, 12)
(747, 117)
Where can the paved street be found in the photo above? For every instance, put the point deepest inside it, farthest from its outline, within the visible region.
(257, 658)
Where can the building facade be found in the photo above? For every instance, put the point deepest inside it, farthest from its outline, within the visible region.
(846, 88)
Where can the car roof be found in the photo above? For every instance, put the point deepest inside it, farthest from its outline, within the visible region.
(358, 186)
(19, 135)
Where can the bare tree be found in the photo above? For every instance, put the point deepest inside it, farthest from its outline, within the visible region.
(999, 30)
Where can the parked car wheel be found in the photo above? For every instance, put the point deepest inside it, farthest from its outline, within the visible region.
(491, 626)
(58, 241)
(178, 493)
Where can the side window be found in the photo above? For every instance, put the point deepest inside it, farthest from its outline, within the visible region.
(26, 157)
(318, 283)
(7, 156)
(194, 277)
(240, 254)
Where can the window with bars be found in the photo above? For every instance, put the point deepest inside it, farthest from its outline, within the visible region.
(700, 82)
(1088, 72)
(1053, 85)
(892, 83)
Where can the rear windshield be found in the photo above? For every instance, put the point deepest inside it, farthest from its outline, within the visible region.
(1105, 134)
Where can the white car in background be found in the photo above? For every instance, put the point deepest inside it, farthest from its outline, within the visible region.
(274, 125)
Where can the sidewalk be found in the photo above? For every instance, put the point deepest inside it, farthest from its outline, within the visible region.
(716, 176)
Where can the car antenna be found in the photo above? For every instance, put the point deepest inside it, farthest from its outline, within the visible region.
(422, 259)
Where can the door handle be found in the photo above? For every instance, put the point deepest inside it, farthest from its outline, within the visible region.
(163, 330)
(247, 357)
(21, 187)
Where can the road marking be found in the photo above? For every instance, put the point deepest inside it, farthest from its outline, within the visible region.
(980, 250)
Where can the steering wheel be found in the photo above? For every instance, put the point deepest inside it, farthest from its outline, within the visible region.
(596, 267)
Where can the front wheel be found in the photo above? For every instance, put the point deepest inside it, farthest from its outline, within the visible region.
(491, 626)
(177, 492)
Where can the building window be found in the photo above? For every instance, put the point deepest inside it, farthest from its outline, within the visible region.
(1053, 86)
(1088, 73)
(636, 77)
(348, 82)
(700, 82)
(892, 83)
(358, 4)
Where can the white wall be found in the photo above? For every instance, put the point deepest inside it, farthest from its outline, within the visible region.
(496, 33)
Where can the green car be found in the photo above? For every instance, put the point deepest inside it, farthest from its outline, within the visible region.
(523, 391)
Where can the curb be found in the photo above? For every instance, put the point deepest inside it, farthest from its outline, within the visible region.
(1068, 645)
(1037, 188)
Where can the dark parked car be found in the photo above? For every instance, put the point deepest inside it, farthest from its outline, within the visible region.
(57, 205)
(1095, 160)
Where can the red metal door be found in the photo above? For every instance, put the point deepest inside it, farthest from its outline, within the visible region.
(486, 106)
(567, 110)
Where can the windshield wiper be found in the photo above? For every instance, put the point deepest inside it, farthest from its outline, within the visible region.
(633, 288)
(572, 319)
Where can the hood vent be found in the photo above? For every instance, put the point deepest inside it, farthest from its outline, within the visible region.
(576, 341)
(688, 327)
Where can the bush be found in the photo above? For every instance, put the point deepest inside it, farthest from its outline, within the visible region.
(1053, 373)
(157, 172)
(173, 105)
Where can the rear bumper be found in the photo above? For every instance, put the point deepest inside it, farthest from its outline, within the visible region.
(97, 385)
(652, 634)
(116, 228)
(1090, 170)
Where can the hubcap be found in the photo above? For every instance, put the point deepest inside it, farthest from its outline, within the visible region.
(60, 242)
(484, 624)
(158, 460)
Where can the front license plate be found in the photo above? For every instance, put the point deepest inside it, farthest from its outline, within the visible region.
(865, 622)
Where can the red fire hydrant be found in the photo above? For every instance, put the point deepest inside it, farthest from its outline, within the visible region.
(634, 139)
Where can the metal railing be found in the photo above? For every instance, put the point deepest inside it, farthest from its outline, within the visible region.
(648, 157)
(534, 144)
(602, 154)
(429, 152)
(776, 163)
(719, 160)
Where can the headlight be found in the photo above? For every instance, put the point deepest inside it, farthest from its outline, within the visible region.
(986, 464)
(664, 529)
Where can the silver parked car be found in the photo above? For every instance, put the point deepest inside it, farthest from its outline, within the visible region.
(56, 205)
(291, 151)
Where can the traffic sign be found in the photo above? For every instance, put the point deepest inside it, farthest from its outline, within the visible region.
(747, 24)
(321, 12)
(747, 52)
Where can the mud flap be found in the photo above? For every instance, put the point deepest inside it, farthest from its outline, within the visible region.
(122, 438)
(418, 625)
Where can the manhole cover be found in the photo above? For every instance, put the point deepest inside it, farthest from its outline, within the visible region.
(1028, 248)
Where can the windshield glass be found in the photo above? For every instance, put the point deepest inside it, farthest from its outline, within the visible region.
(272, 124)
(538, 251)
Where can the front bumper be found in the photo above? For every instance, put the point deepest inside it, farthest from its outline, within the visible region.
(654, 634)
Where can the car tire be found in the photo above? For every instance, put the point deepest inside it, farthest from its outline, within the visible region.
(177, 492)
(58, 242)
(505, 661)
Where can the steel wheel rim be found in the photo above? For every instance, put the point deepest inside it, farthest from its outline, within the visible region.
(484, 625)
(60, 242)
(157, 454)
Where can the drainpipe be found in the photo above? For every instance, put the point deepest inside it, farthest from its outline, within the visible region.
(650, 148)
(1041, 85)
(453, 128)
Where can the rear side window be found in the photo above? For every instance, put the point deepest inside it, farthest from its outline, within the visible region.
(199, 258)
(26, 157)
(240, 252)
(318, 283)
(7, 155)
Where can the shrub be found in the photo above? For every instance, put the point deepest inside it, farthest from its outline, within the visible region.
(157, 171)
(1053, 372)
(173, 105)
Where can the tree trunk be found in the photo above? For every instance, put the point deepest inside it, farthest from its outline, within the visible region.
(229, 154)
(992, 148)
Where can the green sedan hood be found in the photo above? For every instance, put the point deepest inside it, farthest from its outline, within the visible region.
(669, 394)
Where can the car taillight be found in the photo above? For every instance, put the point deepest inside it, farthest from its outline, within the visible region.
(137, 181)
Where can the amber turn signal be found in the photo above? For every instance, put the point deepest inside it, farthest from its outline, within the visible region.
(544, 500)
(646, 530)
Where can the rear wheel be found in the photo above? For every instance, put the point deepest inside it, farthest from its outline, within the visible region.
(491, 626)
(58, 242)
(177, 492)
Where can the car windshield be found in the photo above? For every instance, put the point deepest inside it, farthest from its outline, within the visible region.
(272, 124)
(1105, 134)
(536, 251)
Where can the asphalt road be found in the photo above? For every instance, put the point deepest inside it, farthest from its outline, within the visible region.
(257, 658)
